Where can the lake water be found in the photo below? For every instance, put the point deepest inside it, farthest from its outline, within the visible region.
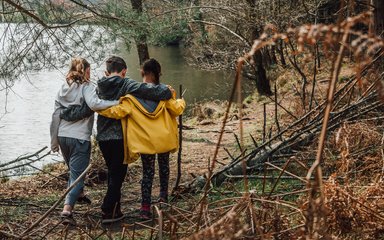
(25, 126)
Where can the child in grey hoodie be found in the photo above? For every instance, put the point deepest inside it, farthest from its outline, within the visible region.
(73, 138)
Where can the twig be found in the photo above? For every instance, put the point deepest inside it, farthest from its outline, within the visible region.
(10, 235)
(23, 157)
(160, 214)
(238, 142)
(289, 193)
(178, 176)
(278, 178)
(229, 154)
(314, 78)
(25, 164)
(230, 10)
(271, 177)
(282, 107)
(245, 41)
(382, 156)
(264, 120)
(276, 117)
(51, 229)
(27, 232)
(253, 140)
(291, 174)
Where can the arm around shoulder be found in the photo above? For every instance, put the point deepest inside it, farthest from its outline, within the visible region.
(93, 101)
(149, 91)
(118, 111)
(176, 106)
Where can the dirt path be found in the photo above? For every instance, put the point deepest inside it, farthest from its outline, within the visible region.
(26, 199)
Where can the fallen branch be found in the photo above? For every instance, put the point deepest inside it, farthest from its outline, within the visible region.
(27, 231)
(27, 157)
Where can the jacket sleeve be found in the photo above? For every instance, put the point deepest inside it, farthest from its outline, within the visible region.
(118, 111)
(147, 91)
(54, 129)
(175, 106)
(75, 113)
(93, 101)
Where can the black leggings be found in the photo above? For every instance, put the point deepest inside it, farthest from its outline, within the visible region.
(113, 153)
(148, 161)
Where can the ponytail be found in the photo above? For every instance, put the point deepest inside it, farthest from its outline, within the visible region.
(152, 66)
(77, 71)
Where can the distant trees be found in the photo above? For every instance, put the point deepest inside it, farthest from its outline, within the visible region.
(233, 26)
(215, 33)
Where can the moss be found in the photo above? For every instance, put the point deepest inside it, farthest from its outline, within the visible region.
(249, 99)
(4, 179)
(14, 213)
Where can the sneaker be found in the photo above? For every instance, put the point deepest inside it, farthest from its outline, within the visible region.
(84, 200)
(67, 219)
(112, 217)
(163, 199)
(145, 215)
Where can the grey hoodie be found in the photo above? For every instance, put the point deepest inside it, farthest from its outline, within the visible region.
(75, 94)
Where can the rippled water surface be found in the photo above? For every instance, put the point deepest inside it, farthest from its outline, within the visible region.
(25, 128)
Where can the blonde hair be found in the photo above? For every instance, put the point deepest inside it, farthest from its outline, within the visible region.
(77, 71)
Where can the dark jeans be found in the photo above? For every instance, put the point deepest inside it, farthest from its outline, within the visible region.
(113, 153)
(148, 161)
(76, 154)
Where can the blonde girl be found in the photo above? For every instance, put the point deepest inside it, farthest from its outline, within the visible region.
(73, 138)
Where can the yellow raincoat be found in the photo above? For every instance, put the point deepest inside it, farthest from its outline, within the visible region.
(146, 132)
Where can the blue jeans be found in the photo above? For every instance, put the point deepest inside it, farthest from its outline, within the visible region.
(76, 154)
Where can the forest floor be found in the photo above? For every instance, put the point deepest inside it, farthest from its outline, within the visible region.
(25, 200)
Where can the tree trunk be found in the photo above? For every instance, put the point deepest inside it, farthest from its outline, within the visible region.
(2, 10)
(273, 55)
(266, 57)
(280, 50)
(141, 41)
(198, 15)
(262, 83)
(379, 17)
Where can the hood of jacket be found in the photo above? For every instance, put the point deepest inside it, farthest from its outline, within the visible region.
(108, 87)
(155, 114)
(71, 94)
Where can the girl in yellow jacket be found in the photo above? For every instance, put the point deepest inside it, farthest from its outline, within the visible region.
(149, 128)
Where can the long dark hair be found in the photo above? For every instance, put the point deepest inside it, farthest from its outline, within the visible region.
(152, 66)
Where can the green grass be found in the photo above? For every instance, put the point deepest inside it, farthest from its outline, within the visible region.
(14, 213)
(46, 200)
(258, 187)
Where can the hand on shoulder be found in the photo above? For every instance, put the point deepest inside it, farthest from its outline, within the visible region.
(172, 91)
